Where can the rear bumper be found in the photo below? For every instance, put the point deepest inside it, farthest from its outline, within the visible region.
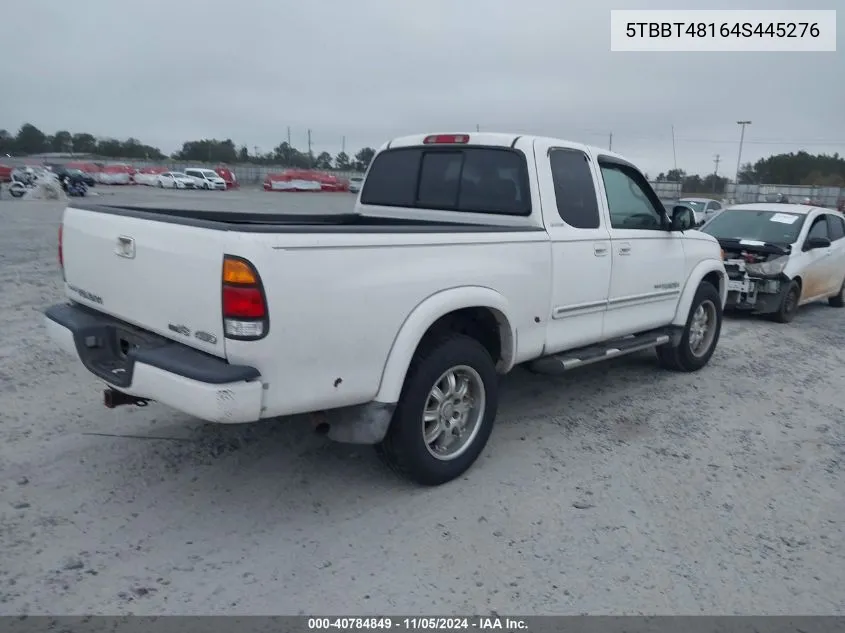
(156, 368)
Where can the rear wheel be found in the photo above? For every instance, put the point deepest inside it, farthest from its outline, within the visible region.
(789, 304)
(445, 414)
(700, 335)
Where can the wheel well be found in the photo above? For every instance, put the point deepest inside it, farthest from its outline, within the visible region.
(485, 325)
(715, 279)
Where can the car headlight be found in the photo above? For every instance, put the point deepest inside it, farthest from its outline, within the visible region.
(770, 268)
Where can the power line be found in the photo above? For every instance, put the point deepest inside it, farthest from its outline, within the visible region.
(766, 142)
(761, 141)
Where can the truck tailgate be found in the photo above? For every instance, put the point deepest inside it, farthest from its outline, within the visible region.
(160, 276)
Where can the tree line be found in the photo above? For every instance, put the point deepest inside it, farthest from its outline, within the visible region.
(30, 140)
(795, 168)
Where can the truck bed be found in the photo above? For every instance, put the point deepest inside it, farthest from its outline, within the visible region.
(252, 222)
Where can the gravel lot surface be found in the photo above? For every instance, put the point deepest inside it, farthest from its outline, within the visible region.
(616, 489)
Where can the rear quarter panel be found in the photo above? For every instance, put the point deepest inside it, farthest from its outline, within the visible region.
(338, 301)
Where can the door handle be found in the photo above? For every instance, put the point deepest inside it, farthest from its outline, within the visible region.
(600, 250)
(625, 249)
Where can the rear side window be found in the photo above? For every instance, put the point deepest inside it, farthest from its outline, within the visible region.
(471, 179)
(836, 226)
(575, 192)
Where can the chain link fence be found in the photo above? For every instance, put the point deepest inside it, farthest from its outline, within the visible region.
(825, 196)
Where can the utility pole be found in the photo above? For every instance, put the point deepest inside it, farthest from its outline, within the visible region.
(716, 162)
(742, 124)
(477, 127)
(343, 144)
(310, 158)
(674, 155)
(289, 145)
(610, 142)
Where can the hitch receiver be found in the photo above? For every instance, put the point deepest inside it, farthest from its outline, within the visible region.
(113, 398)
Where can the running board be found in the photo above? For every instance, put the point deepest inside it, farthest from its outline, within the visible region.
(571, 359)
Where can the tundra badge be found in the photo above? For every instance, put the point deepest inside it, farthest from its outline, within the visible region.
(125, 247)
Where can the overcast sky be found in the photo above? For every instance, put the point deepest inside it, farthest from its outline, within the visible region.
(166, 71)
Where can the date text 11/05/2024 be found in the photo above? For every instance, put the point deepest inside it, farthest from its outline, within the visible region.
(423, 623)
(724, 29)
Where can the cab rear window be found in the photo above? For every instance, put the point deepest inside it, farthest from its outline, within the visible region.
(468, 179)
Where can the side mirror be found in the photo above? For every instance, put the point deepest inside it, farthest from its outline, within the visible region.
(816, 242)
(683, 219)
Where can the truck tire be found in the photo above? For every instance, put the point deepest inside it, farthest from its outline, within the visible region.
(838, 300)
(789, 304)
(445, 414)
(700, 335)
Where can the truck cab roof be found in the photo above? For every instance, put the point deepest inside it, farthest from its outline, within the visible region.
(497, 139)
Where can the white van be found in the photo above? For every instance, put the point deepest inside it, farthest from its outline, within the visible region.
(206, 178)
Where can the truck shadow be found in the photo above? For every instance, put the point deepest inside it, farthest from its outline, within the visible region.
(286, 454)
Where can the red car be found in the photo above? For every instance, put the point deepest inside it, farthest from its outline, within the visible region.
(6, 173)
(228, 176)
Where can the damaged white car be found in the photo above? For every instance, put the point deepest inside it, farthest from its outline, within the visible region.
(781, 256)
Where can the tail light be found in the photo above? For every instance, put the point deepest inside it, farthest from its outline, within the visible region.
(446, 139)
(245, 314)
(61, 253)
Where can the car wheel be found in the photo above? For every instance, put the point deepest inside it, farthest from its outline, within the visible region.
(789, 304)
(160, 185)
(838, 300)
(701, 333)
(445, 414)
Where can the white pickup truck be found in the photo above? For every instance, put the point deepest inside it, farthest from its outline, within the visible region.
(466, 256)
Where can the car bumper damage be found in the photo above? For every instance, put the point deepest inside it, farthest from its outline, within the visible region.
(139, 366)
(756, 294)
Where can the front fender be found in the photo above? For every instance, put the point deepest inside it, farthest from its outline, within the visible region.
(425, 315)
(698, 273)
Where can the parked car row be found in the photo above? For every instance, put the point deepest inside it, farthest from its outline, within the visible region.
(220, 178)
(199, 178)
(125, 174)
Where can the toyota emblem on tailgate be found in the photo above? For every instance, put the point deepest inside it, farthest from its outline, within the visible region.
(125, 247)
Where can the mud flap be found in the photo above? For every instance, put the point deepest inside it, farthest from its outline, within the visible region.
(362, 424)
